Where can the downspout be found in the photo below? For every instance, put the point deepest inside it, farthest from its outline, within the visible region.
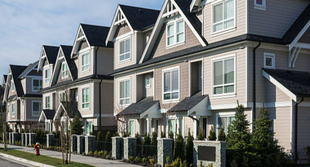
(296, 129)
(197, 125)
(254, 82)
(96, 73)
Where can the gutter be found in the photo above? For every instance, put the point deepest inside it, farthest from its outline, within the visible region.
(254, 82)
(296, 129)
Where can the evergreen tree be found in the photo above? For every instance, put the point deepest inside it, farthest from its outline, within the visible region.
(189, 148)
(200, 135)
(222, 135)
(147, 140)
(108, 137)
(108, 142)
(77, 125)
(154, 139)
(238, 139)
(171, 135)
(212, 136)
(179, 147)
(99, 136)
(138, 137)
(262, 140)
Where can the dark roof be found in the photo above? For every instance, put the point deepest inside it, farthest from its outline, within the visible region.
(140, 18)
(297, 82)
(298, 25)
(51, 53)
(5, 77)
(27, 70)
(16, 71)
(139, 107)
(49, 114)
(71, 64)
(32, 95)
(74, 109)
(188, 103)
(199, 48)
(11, 97)
(96, 35)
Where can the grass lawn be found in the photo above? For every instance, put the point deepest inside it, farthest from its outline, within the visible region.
(41, 159)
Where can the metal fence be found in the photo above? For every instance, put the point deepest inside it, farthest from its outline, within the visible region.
(146, 150)
(103, 146)
(58, 142)
(41, 140)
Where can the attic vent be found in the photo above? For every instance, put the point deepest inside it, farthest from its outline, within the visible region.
(81, 34)
(120, 19)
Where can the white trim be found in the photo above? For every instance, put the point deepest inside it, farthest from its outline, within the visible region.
(175, 43)
(280, 86)
(302, 45)
(82, 103)
(66, 71)
(122, 37)
(148, 77)
(179, 89)
(134, 126)
(13, 103)
(125, 53)
(119, 88)
(223, 114)
(223, 58)
(45, 68)
(40, 106)
(33, 68)
(45, 100)
(300, 34)
(78, 39)
(273, 59)
(223, 21)
(87, 66)
(38, 86)
(258, 6)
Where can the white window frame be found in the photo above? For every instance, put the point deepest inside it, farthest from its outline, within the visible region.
(119, 50)
(134, 126)
(125, 98)
(66, 71)
(163, 86)
(85, 67)
(148, 78)
(259, 6)
(13, 85)
(273, 58)
(62, 96)
(40, 106)
(47, 102)
(212, 20)
(226, 114)
(47, 80)
(212, 79)
(84, 103)
(39, 87)
(13, 109)
(176, 43)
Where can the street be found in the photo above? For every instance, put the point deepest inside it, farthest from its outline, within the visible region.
(6, 163)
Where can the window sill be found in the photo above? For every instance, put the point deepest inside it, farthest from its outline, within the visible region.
(269, 67)
(124, 61)
(85, 71)
(171, 101)
(259, 7)
(224, 96)
(148, 86)
(175, 45)
(214, 34)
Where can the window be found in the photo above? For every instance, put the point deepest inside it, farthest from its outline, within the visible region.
(36, 108)
(64, 70)
(131, 128)
(124, 92)
(62, 96)
(223, 15)
(85, 62)
(269, 60)
(36, 85)
(85, 98)
(47, 75)
(13, 86)
(47, 102)
(175, 33)
(147, 81)
(260, 4)
(89, 127)
(224, 121)
(13, 110)
(224, 76)
(171, 84)
(172, 125)
(124, 52)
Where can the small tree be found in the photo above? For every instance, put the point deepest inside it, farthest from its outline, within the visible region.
(212, 136)
(99, 136)
(147, 140)
(189, 148)
(108, 142)
(170, 134)
(200, 135)
(154, 139)
(138, 137)
(77, 125)
(179, 146)
(222, 135)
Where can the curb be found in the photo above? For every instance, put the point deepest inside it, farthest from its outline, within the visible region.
(32, 163)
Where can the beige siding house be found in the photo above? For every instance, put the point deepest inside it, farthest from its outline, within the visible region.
(198, 62)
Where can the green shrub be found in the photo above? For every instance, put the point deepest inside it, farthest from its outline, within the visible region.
(144, 161)
(90, 153)
(96, 153)
(179, 146)
(200, 134)
(105, 153)
(222, 135)
(154, 139)
(171, 135)
(99, 136)
(162, 134)
(147, 140)
(152, 161)
(212, 136)
(189, 147)
(307, 151)
(137, 159)
(138, 137)
(130, 159)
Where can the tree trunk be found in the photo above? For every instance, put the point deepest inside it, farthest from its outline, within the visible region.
(4, 136)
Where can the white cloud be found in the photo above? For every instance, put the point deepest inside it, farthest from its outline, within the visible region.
(26, 25)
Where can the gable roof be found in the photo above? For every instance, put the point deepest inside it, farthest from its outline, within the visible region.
(139, 107)
(51, 53)
(96, 35)
(16, 71)
(29, 68)
(188, 103)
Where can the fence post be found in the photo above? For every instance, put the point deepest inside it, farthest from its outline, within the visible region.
(22, 139)
(116, 147)
(212, 152)
(164, 150)
(10, 138)
(90, 144)
(50, 140)
(26, 139)
(32, 138)
(14, 137)
(130, 145)
(80, 144)
(74, 143)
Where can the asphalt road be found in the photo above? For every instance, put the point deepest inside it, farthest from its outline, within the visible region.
(9, 163)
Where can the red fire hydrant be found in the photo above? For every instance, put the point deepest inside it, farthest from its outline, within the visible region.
(37, 148)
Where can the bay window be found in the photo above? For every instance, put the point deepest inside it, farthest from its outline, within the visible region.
(36, 108)
(124, 49)
(224, 76)
(124, 92)
(85, 62)
(171, 84)
(175, 32)
(85, 98)
(223, 15)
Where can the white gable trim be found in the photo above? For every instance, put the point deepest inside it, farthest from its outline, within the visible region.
(41, 59)
(280, 86)
(42, 117)
(159, 23)
(58, 112)
(113, 26)
(33, 68)
(78, 40)
(300, 34)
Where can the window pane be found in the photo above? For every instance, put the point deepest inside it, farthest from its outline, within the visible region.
(180, 37)
(127, 47)
(229, 9)
(171, 30)
(218, 90)
(171, 40)
(36, 106)
(167, 81)
(218, 73)
(127, 93)
(268, 61)
(229, 89)
(259, 2)
(229, 71)
(218, 13)
(180, 26)
(35, 82)
(122, 90)
(229, 23)
(122, 47)
(175, 80)
(167, 96)
(175, 95)
(218, 27)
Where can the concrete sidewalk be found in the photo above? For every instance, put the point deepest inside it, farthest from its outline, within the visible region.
(76, 158)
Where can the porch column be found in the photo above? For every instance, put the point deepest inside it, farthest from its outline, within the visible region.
(179, 119)
(195, 126)
(149, 126)
(166, 127)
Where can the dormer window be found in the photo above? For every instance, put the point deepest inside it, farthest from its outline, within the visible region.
(124, 49)
(175, 33)
(223, 15)
(85, 62)
(13, 86)
(64, 70)
(47, 75)
(36, 85)
(260, 4)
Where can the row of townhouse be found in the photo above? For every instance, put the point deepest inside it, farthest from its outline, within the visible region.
(188, 64)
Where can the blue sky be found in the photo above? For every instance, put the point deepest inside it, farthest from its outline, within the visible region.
(26, 25)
